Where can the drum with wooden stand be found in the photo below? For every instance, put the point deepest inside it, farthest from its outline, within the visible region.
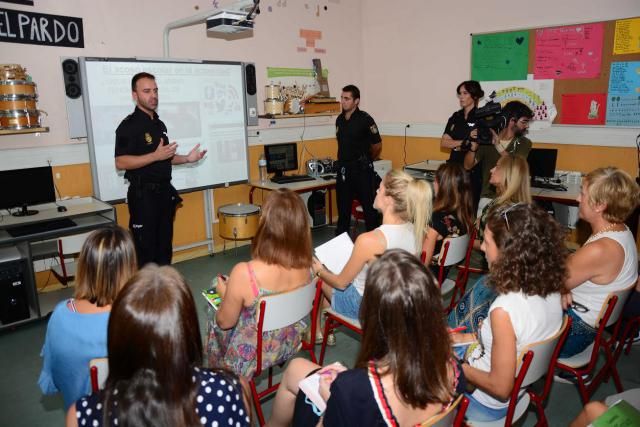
(19, 119)
(17, 102)
(238, 222)
(17, 87)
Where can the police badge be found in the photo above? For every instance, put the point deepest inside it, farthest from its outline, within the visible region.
(148, 138)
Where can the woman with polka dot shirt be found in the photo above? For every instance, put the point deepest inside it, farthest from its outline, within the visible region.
(155, 351)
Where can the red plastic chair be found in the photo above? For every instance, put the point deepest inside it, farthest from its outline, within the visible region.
(278, 311)
(583, 365)
(358, 215)
(98, 371)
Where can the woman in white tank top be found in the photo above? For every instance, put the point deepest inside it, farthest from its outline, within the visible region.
(608, 261)
(405, 204)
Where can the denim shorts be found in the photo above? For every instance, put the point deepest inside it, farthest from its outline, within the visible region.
(476, 411)
(581, 335)
(347, 301)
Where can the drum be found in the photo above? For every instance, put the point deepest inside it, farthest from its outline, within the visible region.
(17, 102)
(19, 119)
(17, 87)
(273, 106)
(12, 72)
(238, 221)
(272, 91)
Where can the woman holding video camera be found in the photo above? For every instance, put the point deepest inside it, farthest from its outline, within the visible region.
(458, 130)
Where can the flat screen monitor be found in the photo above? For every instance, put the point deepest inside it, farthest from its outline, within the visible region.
(281, 157)
(20, 188)
(542, 162)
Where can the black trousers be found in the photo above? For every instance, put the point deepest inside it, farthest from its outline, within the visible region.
(152, 210)
(359, 183)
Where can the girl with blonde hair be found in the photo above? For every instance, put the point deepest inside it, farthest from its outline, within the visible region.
(405, 204)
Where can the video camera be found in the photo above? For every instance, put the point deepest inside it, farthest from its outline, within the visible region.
(489, 116)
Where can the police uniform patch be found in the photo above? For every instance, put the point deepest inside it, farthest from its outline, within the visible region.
(373, 129)
(148, 138)
(337, 129)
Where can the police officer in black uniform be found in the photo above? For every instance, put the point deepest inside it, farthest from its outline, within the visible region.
(359, 143)
(144, 151)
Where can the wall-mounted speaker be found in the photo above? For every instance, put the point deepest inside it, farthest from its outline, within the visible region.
(251, 98)
(73, 98)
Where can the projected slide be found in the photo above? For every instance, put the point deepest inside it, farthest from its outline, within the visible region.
(201, 103)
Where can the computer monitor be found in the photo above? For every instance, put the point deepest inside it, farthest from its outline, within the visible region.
(281, 157)
(20, 188)
(542, 162)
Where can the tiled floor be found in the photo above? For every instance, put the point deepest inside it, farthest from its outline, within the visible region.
(22, 404)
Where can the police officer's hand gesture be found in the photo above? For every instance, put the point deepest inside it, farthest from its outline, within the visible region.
(195, 154)
(164, 152)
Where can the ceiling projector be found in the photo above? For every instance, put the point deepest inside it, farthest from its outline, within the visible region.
(229, 22)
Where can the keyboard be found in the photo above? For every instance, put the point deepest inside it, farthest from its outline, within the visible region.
(287, 179)
(40, 227)
(548, 186)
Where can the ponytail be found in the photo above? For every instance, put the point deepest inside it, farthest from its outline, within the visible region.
(419, 206)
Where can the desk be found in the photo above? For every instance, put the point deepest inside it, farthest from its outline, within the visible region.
(424, 170)
(298, 187)
(88, 214)
(568, 197)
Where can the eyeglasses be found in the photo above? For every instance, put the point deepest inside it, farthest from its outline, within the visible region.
(506, 211)
(577, 307)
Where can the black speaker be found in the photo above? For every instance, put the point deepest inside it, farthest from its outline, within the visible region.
(251, 99)
(13, 295)
(73, 97)
(70, 72)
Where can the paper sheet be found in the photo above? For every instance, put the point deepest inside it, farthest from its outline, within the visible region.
(335, 253)
(501, 56)
(623, 102)
(627, 36)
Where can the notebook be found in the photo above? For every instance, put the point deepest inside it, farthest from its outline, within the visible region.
(335, 253)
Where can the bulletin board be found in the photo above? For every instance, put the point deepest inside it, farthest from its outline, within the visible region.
(579, 74)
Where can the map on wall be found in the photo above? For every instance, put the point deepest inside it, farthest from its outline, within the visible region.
(500, 56)
(571, 52)
(623, 101)
(536, 94)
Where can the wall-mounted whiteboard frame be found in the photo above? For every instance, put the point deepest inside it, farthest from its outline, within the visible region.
(199, 101)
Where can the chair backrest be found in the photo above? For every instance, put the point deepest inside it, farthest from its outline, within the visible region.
(444, 419)
(543, 354)
(69, 245)
(453, 250)
(99, 370)
(622, 295)
(287, 308)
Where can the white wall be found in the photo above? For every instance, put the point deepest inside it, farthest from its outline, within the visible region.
(126, 28)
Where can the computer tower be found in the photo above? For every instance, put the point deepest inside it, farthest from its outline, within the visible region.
(316, 207)
(13, 294)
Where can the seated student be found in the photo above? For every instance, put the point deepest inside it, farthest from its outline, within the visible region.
(452, 209)
(405, 204)
(510, 177)
(525, 249)
(155, 354)
(281, 262)
(398, 379)
(77, 329)
(608, 261)
(594, 409)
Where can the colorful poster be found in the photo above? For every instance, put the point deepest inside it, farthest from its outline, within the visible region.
(571, 52)
(623, 102)
(583, 109)
(627, 36)
(537, 94)
(295, 83)
(502, 56)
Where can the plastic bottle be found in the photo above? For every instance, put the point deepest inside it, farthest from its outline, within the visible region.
(262, 168)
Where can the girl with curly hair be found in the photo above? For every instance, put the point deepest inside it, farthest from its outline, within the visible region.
(525, 249)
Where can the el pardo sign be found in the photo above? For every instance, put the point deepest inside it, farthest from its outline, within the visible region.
(18, 26)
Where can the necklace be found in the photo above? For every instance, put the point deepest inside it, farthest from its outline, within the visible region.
(609, 227)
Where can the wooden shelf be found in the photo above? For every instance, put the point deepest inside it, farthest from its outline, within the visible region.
(22, 131)
(295, 116)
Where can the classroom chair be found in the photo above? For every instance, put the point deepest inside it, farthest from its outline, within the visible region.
(99, 371)
(68, 248)
(278, 311)
(582, 366)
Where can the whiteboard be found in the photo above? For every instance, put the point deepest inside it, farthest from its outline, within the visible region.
(201, 102)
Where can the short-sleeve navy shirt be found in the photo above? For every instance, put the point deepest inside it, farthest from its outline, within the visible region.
(356, 135)
(139, 134)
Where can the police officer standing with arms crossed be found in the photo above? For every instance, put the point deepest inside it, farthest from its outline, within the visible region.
(143, 150)
(359, 144)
